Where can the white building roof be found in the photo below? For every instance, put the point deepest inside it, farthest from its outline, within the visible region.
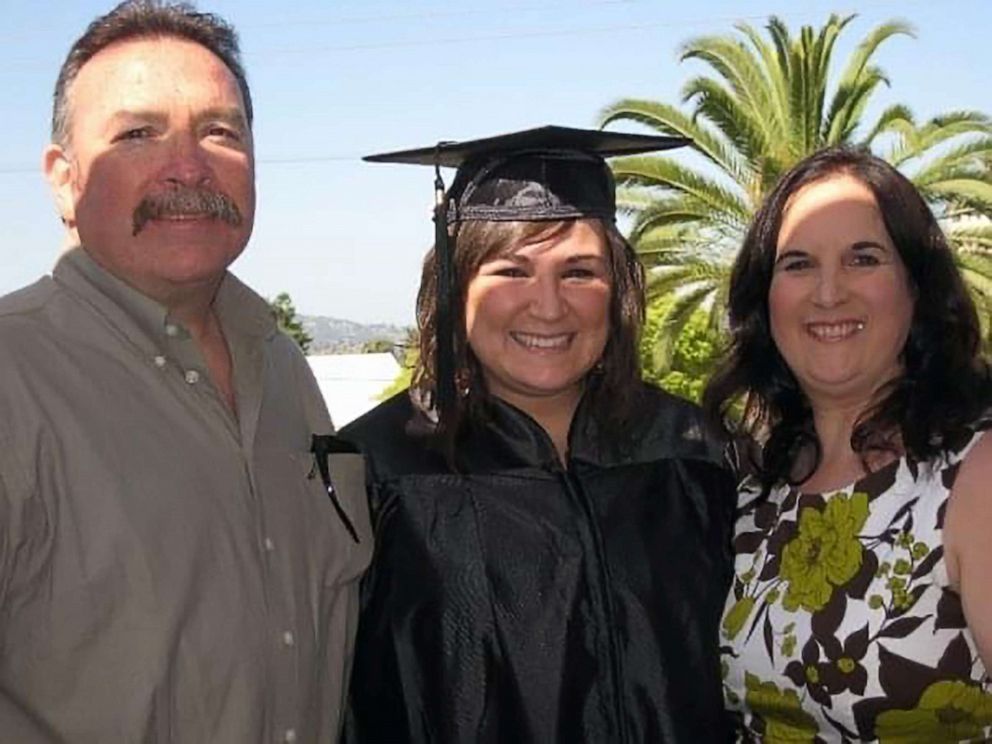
(351, 383)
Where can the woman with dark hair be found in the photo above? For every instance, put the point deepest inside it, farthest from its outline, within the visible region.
(861, 607)
(552, 535)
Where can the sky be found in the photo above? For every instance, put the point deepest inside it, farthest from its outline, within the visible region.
(335, 80)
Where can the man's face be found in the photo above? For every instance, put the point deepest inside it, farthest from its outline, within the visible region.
(158, 175)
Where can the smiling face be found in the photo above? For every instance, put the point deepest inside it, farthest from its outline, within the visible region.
(157, 177)
(537, 316)
(840, 302)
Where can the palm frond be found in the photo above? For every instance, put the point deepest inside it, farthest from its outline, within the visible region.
(979, 280)
(841, 130)
(744, 128)
(679, 210)
(916, 142)
(667, 119)
(963, 160)
(680, 312)
(727, 207)
(741, 72)
(895, 116)
(773, 72)
(844, 110)
(634, 199)
(664, 280)
(972, 192)
(970, 238)
(980, 266)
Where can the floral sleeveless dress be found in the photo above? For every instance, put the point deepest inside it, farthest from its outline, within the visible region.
(841, 627)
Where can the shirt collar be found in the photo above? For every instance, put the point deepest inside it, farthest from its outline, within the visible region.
(143, 320)
(242, 310)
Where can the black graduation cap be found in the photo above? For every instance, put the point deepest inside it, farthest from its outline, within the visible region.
(547, 173)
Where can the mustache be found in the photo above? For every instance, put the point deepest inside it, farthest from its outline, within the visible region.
(186, 201)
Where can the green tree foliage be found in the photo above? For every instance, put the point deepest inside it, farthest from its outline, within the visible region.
(284, 312)
(768, 101)
(377, 346)
(410, 348)
(684, 369)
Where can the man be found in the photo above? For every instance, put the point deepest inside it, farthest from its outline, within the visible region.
(175, 564)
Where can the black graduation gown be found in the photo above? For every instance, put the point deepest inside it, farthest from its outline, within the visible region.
(519, 601)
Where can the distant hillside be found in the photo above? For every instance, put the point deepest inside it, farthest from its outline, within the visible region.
(336, 336)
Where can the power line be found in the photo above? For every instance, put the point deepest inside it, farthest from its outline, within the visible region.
(18, 170)
(422, 15)
(523, 7)
(543, 32)
(430, 15)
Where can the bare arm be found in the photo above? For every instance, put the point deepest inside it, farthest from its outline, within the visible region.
(967, 532)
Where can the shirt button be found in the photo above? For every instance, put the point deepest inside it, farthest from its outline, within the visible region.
(290, 736)
(159, 361)
(288, 639)
(192, 376)
(269, 545)
(171, 330)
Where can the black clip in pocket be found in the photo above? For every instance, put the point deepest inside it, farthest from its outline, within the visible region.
(322, 446)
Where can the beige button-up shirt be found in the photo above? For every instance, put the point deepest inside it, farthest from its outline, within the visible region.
(169, 572)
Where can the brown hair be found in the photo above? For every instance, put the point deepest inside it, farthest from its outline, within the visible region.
(613, 398)
(136, 19)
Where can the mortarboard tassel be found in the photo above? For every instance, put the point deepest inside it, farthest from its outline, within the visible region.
(445, 392)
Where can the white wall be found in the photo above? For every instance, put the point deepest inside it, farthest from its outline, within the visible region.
(351, 383)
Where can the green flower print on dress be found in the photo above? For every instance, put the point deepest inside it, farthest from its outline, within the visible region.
(785, 720)
(949, 710)
(826, 552)
(737, 616)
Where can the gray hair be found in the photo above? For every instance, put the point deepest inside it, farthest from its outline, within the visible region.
(136, 19)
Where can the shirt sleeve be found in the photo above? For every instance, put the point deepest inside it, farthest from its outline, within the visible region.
(24, 527)
(314, 406)
(9, 522)
(17, 724)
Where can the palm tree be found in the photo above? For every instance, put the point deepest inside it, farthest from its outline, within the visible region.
(769, 103)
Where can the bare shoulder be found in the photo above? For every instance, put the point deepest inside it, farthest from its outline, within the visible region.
(967, 527)
(974, 482)
(969, 512)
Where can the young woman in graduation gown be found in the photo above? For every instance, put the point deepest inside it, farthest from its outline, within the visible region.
(552, 535)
